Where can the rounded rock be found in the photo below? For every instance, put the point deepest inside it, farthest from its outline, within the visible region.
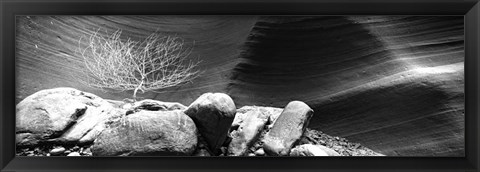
(57, 151)
(148, 133)
(312, 150)
(74, 154)
(213, 114)
(246, 134)
(287, 129)
(260, 152)
(53, 112)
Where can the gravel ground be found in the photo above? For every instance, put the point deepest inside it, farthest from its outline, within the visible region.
(340, 145)
(56, 150)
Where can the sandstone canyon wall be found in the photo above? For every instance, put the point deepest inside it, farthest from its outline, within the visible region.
(394, 84)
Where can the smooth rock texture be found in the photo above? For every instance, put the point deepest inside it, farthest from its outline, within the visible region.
(260, 152)
(57, 151)
(341, 67)
(271, 60)
(247, 131)
(148, 133)
(287, 129)
(312, 150)
(47, 114)
(48, 53)
(307, 150)
(74, 154)
(431, 102)
(213, 114)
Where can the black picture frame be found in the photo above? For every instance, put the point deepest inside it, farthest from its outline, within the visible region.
(469, 8)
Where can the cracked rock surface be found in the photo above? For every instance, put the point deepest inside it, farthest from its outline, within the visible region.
(60, 114)
(148, 133)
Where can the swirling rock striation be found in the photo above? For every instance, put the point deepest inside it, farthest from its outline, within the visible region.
(48, 50)
(393, 83)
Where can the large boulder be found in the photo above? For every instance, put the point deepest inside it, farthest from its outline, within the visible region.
(91, 125)
(213, 114)
(287, 129)
(312, 150)
(48, 114)
(246, 131)
(148, 133)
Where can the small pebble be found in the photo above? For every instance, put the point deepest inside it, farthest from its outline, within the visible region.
(251, 154)
(260, 152)
(87, 151)
(68, 151)
(74, 154)
(57, 151)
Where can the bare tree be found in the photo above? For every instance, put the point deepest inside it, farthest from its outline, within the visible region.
(154, 63)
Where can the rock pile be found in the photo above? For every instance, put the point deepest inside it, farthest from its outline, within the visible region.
(69, 122)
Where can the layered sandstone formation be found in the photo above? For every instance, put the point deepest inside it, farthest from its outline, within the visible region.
(394, 84)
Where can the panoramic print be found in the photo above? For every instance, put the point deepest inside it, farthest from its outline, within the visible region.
(177, 85)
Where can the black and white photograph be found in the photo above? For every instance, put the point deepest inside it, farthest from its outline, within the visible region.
(240, 85)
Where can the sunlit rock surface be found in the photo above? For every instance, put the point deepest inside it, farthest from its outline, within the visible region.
(394, 84)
